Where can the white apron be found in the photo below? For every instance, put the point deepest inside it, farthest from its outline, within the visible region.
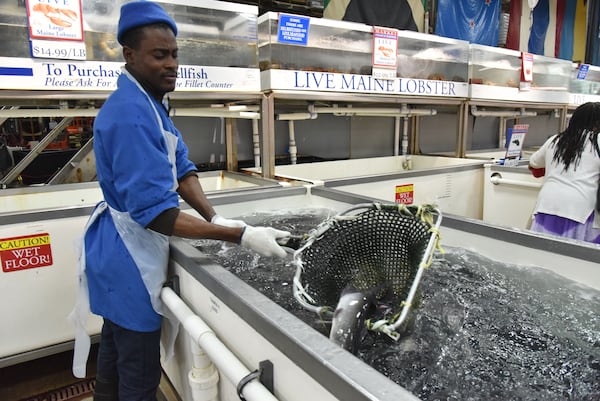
(148, 250)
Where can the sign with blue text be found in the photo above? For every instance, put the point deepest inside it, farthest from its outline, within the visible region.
(44, 74)
(293, 29)
(337, 82)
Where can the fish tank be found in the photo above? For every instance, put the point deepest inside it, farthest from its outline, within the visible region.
(347, 47)
(432, 57)
(585, 84)
(331, 46)
(299, 52)
(211, 33)
(495, 73)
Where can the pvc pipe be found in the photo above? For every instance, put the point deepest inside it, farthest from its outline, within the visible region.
(292, 145)
(295, 116)
(366, 111)
(25, 113)
(250, 113)
(256, 143)
(502, 133)
(357, 111)
(502, 113)
(497, 180)
(225, 361)
(203, 377)
(396, 135)
(407, 163)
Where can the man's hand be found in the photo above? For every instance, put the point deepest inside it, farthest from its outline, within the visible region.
(264, 240)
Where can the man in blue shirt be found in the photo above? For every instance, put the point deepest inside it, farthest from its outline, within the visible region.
(143, 167)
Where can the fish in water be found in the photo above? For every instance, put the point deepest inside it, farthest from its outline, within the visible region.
(348, 323)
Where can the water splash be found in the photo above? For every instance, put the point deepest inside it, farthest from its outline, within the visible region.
(485, 330)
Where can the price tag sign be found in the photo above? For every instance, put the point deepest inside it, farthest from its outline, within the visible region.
(385, 58)
(58, 49)
(526, 67)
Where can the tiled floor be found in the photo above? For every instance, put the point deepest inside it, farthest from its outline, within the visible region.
(33, 378)
(50, 378)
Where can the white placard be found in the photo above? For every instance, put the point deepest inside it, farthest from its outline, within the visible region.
(38, 74)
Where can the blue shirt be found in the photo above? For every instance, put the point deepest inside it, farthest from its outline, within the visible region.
(135, 176)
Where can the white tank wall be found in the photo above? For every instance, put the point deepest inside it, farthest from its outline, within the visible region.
(509, 203)
(438, 180)
(291, 382)
(458, 192)
(38, 300)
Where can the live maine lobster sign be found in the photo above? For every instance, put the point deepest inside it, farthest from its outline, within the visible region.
(336, 82)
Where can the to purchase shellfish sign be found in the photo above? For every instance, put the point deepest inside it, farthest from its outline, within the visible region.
(26, 252)
(55, 19)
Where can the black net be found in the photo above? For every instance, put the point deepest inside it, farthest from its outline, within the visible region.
(378, 250)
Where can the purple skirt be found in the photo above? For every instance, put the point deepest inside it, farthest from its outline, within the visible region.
(555, 225)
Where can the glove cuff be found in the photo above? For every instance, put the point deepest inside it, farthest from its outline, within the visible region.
(242, 234)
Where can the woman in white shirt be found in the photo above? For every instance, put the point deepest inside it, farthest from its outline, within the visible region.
(568, 203)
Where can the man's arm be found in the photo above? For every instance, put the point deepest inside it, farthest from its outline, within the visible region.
(191, 192)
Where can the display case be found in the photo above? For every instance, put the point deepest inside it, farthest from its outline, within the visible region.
(211, 33)
(495, 74)
(330, 46)
(213, 37)
(331, 55)
(432, 57)
(585, 84)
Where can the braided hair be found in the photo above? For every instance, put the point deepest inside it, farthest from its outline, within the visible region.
(584, 125)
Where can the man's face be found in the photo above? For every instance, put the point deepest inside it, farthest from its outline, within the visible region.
(154, 64)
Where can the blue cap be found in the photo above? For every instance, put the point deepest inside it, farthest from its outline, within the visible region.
(142, 12)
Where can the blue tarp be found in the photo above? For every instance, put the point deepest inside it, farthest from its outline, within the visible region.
(539, 27)
(474, 20)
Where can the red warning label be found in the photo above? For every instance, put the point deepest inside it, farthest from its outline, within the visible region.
(27, 252)
(405, 194)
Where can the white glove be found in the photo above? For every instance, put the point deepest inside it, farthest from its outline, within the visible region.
(264, 240)
(222, 221)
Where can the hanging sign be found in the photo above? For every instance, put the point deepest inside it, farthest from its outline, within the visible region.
(526, 71)
(56, 29)
(293, 29)
(56, 20)
(526, 67)
(583, 70)
(26, 252)
(385, 49)
(405, 194)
